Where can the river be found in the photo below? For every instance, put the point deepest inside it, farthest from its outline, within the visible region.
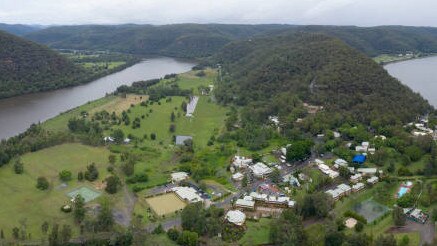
(18, 113)
(418, 74)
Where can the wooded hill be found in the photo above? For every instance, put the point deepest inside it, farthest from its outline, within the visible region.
(180, 40)
(27, 67)
(18, 29)
(198, 40)
(267, 72)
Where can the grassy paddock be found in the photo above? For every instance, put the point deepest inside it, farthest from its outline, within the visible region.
(257, 233)
(23, 202)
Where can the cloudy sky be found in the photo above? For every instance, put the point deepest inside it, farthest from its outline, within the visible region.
(335, 12)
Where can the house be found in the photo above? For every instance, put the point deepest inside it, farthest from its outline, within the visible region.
(373, 180)
(191, 106)
(241, 162)
(260, 170)
(360, 149)
(178, 177)
(235, 217)
(187, 194)
(180, 140)
(369, 171)
(341, 162)
(340, 191)
(356, 178)
(371, 150)
(416, 215)
(319, 162)
(336, 134)
(245, 204)
(238, 176)
(359, 159)
(357, 187)
(126, 141)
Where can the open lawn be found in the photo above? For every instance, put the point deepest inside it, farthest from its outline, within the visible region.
(257, 233)
(118, 104)
(102, 65)
(165, 204)
(414, 238)
(23, 202)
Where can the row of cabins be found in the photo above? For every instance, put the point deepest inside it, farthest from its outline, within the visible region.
(344, 189)
(326, 170)
(255, 198)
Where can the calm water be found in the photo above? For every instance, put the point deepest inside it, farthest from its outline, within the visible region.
(419, 74)
(18, 113)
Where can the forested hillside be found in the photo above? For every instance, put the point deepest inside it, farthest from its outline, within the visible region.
(27, 67)
(264, 73)
(18, 29)
(196, 40)
(181, 40)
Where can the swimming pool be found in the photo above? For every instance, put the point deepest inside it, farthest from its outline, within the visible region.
(402, 191)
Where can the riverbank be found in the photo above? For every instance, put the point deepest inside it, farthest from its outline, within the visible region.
(386, 59)
(18, 113)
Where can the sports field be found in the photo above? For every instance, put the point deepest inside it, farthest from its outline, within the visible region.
(88, 194)
(165, 204)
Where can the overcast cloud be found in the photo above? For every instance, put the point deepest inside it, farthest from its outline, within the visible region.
(332, 12)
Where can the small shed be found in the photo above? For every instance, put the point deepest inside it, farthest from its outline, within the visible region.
(180, 140)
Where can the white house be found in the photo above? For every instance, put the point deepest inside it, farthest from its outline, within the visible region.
(341, 162)
(245, 204)
(236, 217)
(356, 178)
(357, 187)
(241, 162)
(260, 170)
(369, 171)
(187, 194)
(237, 176)
(373, 180)
(178, 177)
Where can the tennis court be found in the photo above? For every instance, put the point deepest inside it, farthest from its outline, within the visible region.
(165, 204)
(370, 210)
(88, 194)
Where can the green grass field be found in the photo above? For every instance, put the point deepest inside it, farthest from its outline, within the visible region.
(101, 65)
(414, 238)
(22, 201)
(257, 233)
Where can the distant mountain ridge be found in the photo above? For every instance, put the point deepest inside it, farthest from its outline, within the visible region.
(19, 29)
(27, 67)
(201, 40)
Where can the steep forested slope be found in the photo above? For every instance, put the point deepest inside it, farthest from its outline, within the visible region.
(317, 69)
(29, 67)
(196, 40)
(182, 40)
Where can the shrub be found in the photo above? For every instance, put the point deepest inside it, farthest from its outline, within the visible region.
(42, 183)
(65, 175)
(80, 176)
(18, 167)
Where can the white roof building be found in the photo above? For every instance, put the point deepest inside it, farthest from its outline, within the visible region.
(357, 187)
(238, 176)
(236, 217)
(108, 139)
(260, 170)
(187, 194)
(336, 134)
(373, 180)
(178, 177)
(319, 162)
(341, 162)
(356, 177)
(241, 161)
(126, 140)
(367, 171)
(243, 203)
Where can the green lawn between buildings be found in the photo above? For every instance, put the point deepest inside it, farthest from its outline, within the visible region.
(257, 233)
(23, 202)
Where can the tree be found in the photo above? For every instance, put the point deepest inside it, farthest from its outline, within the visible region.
(385, 240)
(105, 221)
(358, 239)
(158, 229)
(359, 226)
(344, 172)
(317, 204)
(80, 176)
(275, 176)
(112, 159)
(66, 234)
(399, 217)
(188, 238)
(16, 233)
(54, 239)
(406, 201)
(118, 136)
(405, 241)
(91, 174)
(2, 234)
(173, 234)
(172, 117)
(65, 175)
(172, 128)
(193, 219)
(42, 183)
(299, 150)
(287, 230)
(18, 167)
(112, 183)
(153, 136)
(79, 209)
(45, 228)
(333, 237)
(128, 167)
